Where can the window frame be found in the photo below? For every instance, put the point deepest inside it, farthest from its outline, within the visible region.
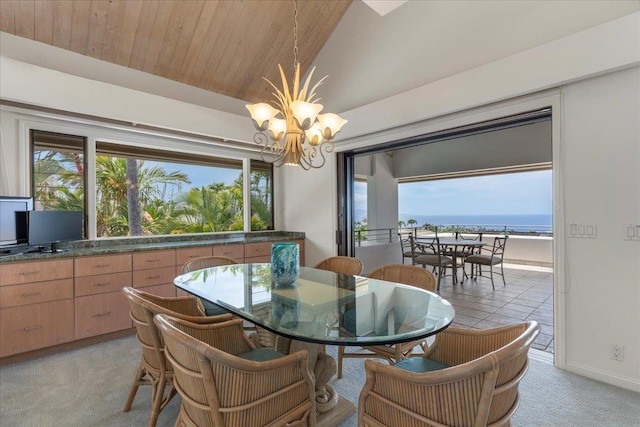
(147, 137)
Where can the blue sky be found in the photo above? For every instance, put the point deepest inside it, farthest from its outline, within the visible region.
(199, 175)
(513, 194)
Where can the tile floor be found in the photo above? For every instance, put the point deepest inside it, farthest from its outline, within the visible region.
(527, 295)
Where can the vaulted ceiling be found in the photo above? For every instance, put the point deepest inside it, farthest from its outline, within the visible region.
(224, 46)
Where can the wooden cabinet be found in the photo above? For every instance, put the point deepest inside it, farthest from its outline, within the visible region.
(48, 302)
(100, 314)
(235, 251)
(187, 254)
(100, 305)
(102, 264)
(35, 271)
(33, 293)
(257, 252)
(155, 268)
(34, 326)
(36, 305)
(261, 252)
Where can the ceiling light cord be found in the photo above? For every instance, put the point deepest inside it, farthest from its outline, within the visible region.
(295, 35)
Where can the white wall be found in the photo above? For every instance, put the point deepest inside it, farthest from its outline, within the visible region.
(601, 172)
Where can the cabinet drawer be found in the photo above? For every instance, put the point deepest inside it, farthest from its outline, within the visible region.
(187, 254)
(162, 290)
(32, 293)
(156, 276)
(16, 273)
(35, 326)
(93, 265)
(90, 285)
(258, 259)
(100, 314)
(252, 250)
(154, 259)
(231, 251)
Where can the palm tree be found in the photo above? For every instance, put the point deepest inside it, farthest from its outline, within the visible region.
(113, 192)
(411, 222)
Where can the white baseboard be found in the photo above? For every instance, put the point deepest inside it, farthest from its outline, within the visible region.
(632, 384)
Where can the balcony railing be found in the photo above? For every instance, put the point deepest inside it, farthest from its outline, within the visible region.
(390, 235)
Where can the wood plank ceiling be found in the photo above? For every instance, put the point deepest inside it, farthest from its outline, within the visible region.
(224, 46)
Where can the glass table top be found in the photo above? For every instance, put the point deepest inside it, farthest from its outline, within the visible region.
(321, 306)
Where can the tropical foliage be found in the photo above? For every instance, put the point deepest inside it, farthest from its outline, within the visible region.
(133, 198)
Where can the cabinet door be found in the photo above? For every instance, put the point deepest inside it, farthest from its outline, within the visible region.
(15, 273)
(100, 314)
(35, 326)
(32, 293)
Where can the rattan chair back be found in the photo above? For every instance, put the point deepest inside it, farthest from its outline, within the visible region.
(207, 261)
(399, 273)
(480, 388)
(220, 388)
(341, 264)
(154, 369)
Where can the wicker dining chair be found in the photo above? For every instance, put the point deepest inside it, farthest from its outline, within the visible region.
(154, 369)
(398, 273)
(224, 381)
(341, 264)
(206, 262)
(466, 378)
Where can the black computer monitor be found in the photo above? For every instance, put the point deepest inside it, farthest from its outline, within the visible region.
(48, 228)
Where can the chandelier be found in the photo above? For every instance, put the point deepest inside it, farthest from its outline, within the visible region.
(295, 132)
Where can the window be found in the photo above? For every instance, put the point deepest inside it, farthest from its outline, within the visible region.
(58, 171)
(261, 196)
(146, 191)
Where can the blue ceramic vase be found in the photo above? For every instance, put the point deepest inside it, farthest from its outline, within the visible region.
(285, 263)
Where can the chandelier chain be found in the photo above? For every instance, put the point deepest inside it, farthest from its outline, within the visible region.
(295, 35)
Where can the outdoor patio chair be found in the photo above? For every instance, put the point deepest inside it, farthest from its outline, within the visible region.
(432, 255)
(489, 257)
(466, 378)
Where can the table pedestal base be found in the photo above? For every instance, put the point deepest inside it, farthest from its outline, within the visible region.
(343, 410)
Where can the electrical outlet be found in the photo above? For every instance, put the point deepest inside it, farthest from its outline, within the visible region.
(617, 352)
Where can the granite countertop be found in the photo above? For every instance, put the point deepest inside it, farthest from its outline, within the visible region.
(137, 244)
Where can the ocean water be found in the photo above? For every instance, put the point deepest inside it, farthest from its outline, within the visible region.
(522, 223)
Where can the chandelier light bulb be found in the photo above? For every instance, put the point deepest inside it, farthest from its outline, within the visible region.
(305, 113)
(277, 129)
(314, 135)
(262, 114)
(330, 124)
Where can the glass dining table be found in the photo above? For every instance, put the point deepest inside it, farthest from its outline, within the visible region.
(322, 308)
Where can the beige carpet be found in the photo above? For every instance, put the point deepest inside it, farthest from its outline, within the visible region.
(88, 387)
